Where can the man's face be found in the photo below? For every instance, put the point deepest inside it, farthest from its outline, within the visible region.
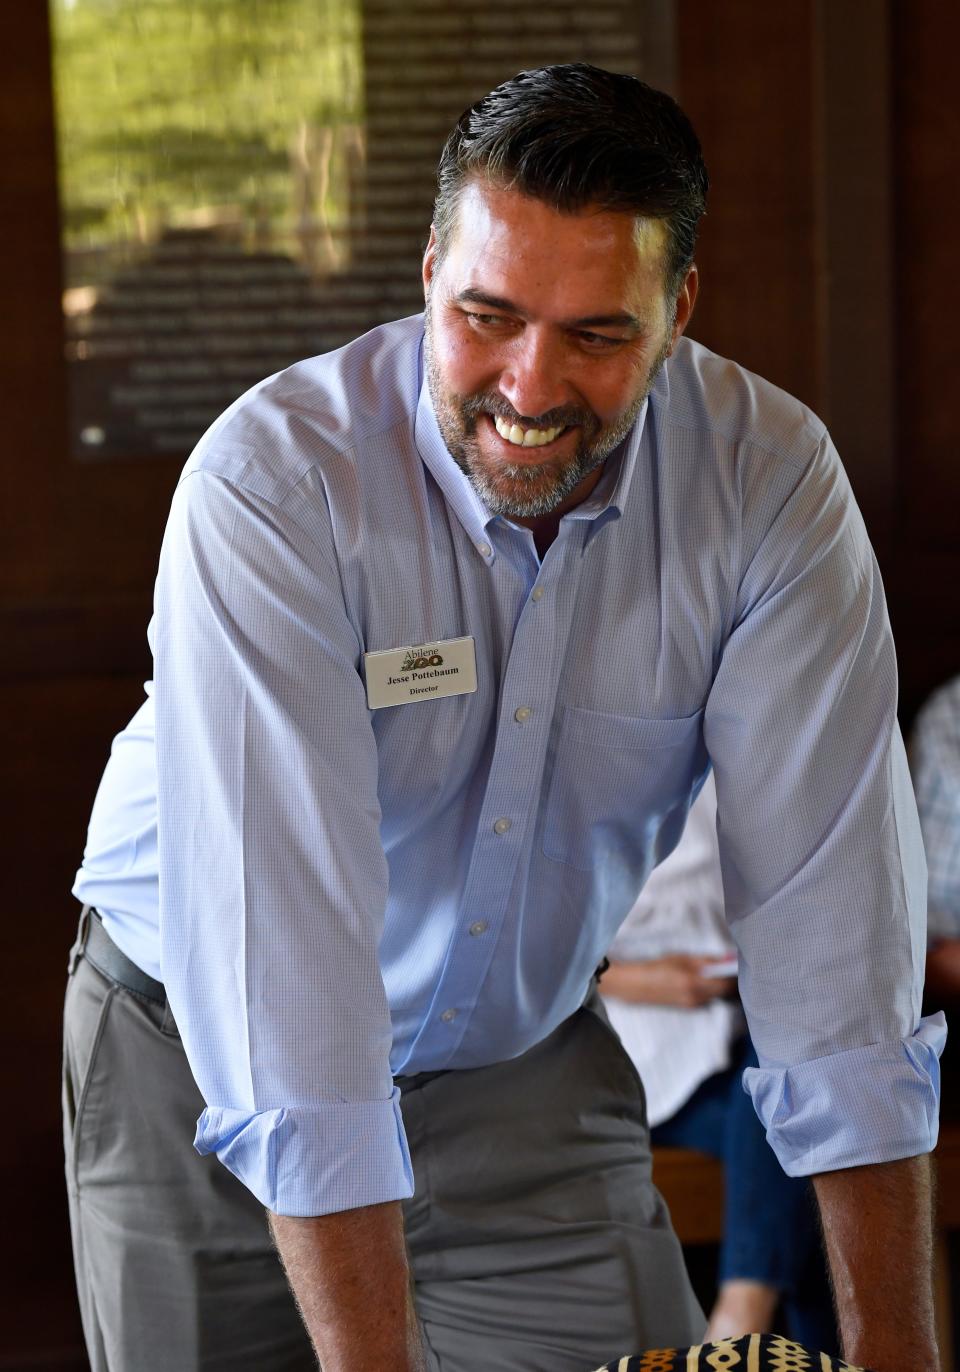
(544, 334)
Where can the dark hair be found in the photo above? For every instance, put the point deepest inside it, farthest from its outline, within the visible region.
(575, 135)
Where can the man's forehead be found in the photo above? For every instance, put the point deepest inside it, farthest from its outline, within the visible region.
(488, 209)
(585, 263)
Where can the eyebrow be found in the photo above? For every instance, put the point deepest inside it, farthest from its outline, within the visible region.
(620, 320)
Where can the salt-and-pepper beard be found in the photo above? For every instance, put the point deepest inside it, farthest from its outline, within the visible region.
(538, 488)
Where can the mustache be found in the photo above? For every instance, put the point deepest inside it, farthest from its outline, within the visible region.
(561, 416)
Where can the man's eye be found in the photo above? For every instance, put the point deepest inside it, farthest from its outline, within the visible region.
(486, 321)
(599, 341)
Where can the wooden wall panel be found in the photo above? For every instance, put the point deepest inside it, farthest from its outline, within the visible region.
(745, 77)
(833, 138)
(54, 734)
(77, 551)
(928, 281)
(854, 189)
(925, 586)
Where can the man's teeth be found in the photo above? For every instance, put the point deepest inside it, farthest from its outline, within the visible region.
(525, 438)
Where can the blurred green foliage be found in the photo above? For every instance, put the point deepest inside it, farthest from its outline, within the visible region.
(167, 108)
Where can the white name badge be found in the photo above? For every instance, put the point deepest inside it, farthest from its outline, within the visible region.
(425, 672)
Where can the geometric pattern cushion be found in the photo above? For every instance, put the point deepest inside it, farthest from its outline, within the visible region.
(752, 1353)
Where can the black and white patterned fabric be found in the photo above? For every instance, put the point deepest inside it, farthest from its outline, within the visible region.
(752, 1353)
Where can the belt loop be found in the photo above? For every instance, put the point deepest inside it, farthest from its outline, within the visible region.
(76, 952)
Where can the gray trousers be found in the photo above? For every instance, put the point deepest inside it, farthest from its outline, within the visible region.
(537, 1240)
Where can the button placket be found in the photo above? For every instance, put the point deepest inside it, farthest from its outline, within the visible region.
(530, 676)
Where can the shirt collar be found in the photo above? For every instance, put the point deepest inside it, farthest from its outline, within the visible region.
(609, 495)
(611, 491)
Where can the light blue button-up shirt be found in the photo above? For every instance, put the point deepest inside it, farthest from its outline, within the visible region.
(340, 895)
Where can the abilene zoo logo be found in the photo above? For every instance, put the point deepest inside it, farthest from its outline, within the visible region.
(417, 658)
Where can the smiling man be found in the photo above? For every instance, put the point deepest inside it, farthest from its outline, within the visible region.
(451, 626)
(544, 332)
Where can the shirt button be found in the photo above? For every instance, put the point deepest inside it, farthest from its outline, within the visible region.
(478, 927)
(523, 714)
(448, 1015)
(501, 825)
(484, 549)
(536, 593)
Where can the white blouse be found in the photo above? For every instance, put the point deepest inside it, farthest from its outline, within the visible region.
(679, 910)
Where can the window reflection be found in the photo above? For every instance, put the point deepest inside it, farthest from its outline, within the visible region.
(210, 166)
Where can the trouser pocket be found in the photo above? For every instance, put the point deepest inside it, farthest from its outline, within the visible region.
(87, 1007)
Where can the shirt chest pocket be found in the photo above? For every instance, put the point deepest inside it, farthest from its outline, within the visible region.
(614, 776)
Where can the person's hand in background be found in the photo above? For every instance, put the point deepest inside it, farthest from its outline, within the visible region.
(678, 979)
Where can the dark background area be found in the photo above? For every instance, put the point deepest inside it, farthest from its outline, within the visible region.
(832, 133)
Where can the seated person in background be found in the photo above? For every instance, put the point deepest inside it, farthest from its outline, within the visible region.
(935, 763)
(670, 994)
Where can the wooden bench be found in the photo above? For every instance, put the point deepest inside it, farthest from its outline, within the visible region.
(692, 1185)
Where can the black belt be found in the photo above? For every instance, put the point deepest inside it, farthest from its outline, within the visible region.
(96, 945)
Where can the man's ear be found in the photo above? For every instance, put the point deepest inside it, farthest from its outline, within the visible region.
(429, 260)
(686, 299)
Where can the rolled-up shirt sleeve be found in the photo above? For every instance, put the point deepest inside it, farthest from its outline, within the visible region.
(273, 878)
(823, 867)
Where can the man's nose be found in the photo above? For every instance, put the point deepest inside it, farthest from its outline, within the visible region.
(533, 377)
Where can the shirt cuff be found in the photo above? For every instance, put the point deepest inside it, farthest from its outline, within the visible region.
(313, 1160)
(866, 1105)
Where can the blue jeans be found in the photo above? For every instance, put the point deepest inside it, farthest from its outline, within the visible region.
(771, 1232)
